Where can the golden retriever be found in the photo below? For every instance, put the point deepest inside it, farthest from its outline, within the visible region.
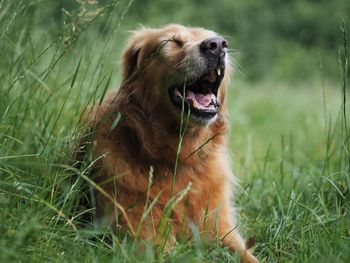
(159, 141)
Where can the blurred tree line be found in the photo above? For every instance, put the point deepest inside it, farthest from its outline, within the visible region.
(288, 40)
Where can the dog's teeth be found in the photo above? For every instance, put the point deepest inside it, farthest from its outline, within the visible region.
(178, 93)
(218, 71)
(212, 76)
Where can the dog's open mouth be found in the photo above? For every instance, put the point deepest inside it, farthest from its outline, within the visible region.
(199, 95)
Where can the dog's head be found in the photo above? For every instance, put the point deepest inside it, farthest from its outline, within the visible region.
(179, 68)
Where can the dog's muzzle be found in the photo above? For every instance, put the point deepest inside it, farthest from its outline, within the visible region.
(200, 95)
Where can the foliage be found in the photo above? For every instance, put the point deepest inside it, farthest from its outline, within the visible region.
(289, 139)
(273, 38)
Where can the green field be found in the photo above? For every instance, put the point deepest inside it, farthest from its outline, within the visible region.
(289, 141)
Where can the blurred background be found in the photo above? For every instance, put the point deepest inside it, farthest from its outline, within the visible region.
(289, 138)
(272, 39)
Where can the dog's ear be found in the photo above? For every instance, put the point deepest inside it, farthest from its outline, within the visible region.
(130, 57)
(140, 47)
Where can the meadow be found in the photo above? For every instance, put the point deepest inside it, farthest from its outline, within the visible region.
(289, 143)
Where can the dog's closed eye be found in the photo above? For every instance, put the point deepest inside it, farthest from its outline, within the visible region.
(178, 42)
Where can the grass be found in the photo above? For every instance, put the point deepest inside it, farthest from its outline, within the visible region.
(289, 145)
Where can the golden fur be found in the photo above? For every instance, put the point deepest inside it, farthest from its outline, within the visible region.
(147, 135)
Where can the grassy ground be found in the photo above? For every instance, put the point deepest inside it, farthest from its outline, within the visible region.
(289, 145)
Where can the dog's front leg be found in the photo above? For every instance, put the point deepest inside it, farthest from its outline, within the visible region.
(228, 233)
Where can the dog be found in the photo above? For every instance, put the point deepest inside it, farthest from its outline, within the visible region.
(160, 139)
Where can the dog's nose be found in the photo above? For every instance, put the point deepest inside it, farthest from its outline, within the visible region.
(214, 46)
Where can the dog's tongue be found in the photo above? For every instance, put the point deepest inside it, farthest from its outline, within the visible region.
(203, 100)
